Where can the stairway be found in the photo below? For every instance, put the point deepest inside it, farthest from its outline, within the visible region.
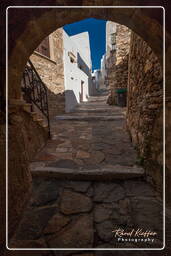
(87, 183)
(34, 94)
(92, 123)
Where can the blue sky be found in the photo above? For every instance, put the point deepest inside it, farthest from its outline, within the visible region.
(97, 34)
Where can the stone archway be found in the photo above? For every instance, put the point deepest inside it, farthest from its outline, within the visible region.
(47, 20)
(39, 23)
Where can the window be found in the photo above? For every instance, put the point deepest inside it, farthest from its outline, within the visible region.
(43, 48)
(72, 57)
(72, 60)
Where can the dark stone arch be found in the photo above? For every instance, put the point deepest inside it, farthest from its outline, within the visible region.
(41, 23)
(26, 35)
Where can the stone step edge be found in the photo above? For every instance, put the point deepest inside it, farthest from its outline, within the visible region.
(104, 174)
(86, 114)
(97, 112)
(106, 118)
(94, 110)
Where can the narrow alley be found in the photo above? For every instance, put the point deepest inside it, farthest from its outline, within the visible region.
(87, 131)
(87, 182)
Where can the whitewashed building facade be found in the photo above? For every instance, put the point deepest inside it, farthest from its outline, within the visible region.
(77, 69)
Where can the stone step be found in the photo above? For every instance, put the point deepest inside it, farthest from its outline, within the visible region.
(90, 118)
(117, 172)
(92, 110)
(96, 113)
(40, 121)
(34, 115)
(98, 107)
(96, 101)
(103, 104)
(27, 107)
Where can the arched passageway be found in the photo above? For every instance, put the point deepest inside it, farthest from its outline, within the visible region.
(43, 22)
(40, 23)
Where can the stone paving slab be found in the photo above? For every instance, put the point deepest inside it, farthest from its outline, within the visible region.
(86, 144)
(86, 183)
(80, 219)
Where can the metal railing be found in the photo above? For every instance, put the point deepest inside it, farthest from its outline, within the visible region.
(35, 91)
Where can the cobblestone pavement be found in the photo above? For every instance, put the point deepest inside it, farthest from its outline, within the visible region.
(73, 213)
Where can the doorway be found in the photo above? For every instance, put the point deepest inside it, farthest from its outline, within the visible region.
(82, 91)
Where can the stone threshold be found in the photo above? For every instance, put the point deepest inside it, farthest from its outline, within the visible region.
(90, 118)
(117, 172)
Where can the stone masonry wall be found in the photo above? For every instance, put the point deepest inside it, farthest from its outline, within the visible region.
(168, 151)
(52, 73)
(110, 69)
(26, 137)
(110, 59)
(122, 52)
(144, 113)
(120, 66)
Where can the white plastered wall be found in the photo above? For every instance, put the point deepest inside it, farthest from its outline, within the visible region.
(73, 75)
